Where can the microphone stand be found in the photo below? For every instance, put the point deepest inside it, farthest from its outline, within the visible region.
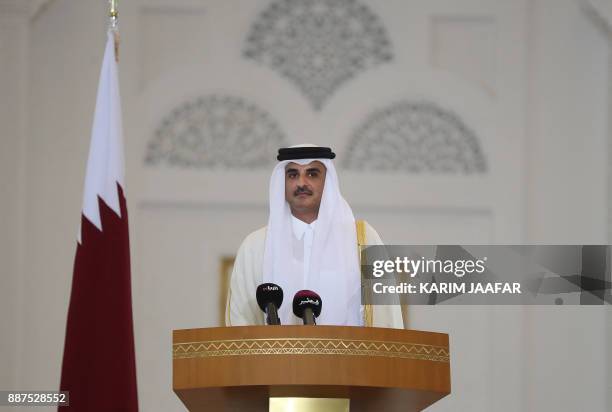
(272, 314)
(309, 318)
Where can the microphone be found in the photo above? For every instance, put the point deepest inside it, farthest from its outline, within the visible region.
(307, 305)
(269, 298)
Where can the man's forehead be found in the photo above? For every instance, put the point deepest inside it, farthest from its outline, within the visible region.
(314, 163)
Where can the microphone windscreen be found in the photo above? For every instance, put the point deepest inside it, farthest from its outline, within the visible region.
(269, 292)
(306, 299)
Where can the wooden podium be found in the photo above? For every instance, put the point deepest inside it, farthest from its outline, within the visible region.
(252, 368)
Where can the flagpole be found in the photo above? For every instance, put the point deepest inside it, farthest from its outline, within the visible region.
(113, 25)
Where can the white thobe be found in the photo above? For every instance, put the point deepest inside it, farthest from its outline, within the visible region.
(303, 234)
(242, 308)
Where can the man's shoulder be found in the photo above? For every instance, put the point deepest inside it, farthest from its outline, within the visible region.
(371, 235)
(252, 247)
(255, 237)
(367, 224)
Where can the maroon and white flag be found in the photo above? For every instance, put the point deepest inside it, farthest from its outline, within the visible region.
(99, 368)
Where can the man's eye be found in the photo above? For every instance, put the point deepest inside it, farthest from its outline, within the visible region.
(313, 174)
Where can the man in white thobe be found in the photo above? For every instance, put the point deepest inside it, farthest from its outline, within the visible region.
(310, 242)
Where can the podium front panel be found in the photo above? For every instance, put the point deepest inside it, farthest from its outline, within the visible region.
(238, 367)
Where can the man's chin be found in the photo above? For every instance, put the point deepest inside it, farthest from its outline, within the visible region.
(302, 206)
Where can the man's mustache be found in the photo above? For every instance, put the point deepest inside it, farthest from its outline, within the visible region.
(301, 190)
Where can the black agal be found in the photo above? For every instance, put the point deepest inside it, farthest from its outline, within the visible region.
(293, 153)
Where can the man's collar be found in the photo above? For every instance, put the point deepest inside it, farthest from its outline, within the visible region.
(299, 227)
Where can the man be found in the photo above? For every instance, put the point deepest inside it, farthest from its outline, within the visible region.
(310, 243)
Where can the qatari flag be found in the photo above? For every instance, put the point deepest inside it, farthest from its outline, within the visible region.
(99, 368)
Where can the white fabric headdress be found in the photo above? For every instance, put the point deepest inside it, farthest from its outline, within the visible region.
(334, 266)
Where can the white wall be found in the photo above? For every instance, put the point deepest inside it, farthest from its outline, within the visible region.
(13, 77)
(532, 83)
(568, 186)
(568, 113)
(64, 61)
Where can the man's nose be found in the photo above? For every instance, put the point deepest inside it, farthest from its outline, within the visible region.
(302, 180)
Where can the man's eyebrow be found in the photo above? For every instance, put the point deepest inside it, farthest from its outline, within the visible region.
(291, 169)
(313, 169)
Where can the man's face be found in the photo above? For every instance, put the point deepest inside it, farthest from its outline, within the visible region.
(304, 187)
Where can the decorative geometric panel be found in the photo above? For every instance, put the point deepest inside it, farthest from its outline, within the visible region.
(318, 44)
(216, 132)
(309, 346)
(415, 137)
